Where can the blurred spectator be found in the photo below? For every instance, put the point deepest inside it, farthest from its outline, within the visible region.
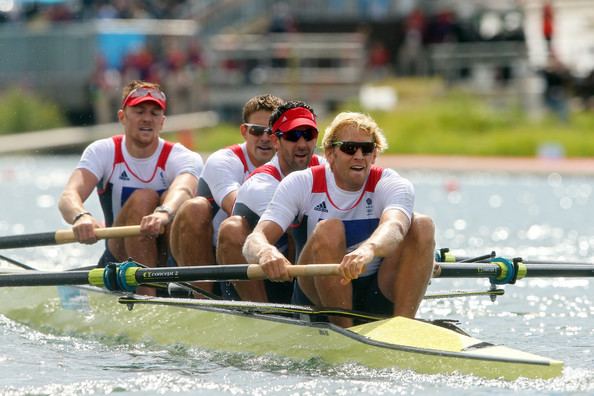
(411, 56)
(379, 60)
(177, 78)
(177, 65)
(106, 11)
(195, 57)
(585, 91)
(104, 91)
(281, 20)
(548, 24)
(557, 79)
(441, 27)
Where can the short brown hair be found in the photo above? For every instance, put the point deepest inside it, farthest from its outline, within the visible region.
(266, 102)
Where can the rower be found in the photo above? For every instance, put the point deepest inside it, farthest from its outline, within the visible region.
(294, 135)
(353, 213)
(195, 228)
(140, 178)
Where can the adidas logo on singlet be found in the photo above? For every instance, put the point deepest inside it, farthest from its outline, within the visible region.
(321, 207)
(124, 176)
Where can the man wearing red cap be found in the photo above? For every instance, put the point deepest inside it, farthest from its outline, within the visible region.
(294, 135)
(353, 213)
(140, 178)
(195, 229)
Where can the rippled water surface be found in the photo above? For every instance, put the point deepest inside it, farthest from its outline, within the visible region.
(536, 217)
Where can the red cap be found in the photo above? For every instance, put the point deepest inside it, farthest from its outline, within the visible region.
(144, 94)
(293, 118)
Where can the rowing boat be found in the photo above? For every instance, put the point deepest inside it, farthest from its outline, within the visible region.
(295, 332)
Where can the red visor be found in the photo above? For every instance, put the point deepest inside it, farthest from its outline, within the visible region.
(293, 118)
(145, 94)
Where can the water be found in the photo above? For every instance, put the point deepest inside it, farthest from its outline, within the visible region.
(536, 217)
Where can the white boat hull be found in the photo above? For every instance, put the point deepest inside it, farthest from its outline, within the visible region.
(396, 342)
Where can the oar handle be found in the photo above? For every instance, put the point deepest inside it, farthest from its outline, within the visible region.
(67, 236)
(255, 271)
(63, 236)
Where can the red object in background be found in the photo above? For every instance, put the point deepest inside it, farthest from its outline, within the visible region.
(547, 21)
(451, 185)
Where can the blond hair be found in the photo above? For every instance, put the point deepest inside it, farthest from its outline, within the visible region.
(362, 122)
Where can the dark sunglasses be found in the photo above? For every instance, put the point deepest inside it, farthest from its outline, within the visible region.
(257, 130)
(351, 148)
(295, 134)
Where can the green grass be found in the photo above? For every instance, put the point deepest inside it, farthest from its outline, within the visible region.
(22, 111)
(430, 119)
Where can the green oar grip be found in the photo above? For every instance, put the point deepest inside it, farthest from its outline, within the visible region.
(115, 277)
(96, 277)
(130, 275)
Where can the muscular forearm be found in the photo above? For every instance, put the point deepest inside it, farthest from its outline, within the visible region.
(181, 190)
(254, 244)
(70, 205)
(386, 237)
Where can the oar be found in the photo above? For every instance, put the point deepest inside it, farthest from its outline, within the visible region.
(63, 236)
(17, 263)
(127, 275)
(448, 257)
(252, 307)
(500, 270)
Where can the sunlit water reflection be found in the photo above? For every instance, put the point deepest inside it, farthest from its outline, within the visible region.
(516, 215)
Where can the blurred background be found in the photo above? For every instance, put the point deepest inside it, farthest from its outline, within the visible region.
(487, 77)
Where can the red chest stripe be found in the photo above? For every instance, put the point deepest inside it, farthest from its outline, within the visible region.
(320, 186)
(236, 148)
(269, 170)
(119, 157)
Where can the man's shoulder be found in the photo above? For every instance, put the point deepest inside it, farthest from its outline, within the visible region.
(225, 155)
(108, 142)
(389, 173)
(180, 149)
(100, 148)
(300, 178)
(256, 191)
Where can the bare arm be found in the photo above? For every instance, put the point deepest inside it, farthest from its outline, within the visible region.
(386, 238)
(259, 249)
(78, 188)
(184, 187)
(228, 202)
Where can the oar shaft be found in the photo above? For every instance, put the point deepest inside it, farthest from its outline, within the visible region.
(64, 236)
(562, 270)
(225, 272)
(488, 270)
(486, 259)
(28, 240)
(44, 278)
(135, 275)
(468, 270)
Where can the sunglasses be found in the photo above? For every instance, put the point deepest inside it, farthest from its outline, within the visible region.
(295, 134)
(141, 92)
(351, 148)
(257, 130)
